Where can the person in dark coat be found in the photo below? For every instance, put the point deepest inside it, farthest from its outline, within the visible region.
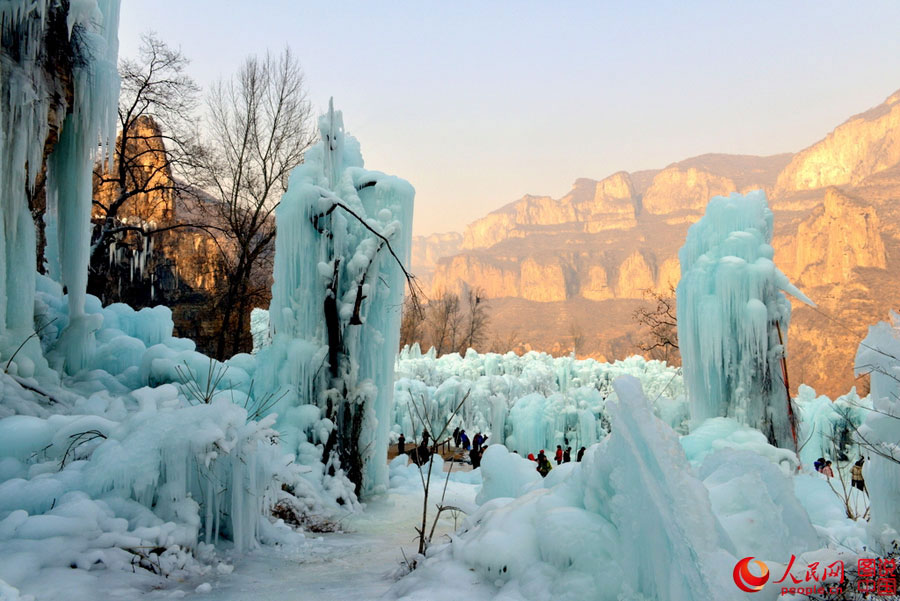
(819, 464)
(423, 453)
(464, 440)
(476, 442)
(543, 464)
(856, 475)
(426, 437)
(475, 457)
(567, 455)
(401, 444)
(581, 453)
(456, 437)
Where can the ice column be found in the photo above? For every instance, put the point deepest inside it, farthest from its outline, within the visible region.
(343, 233)
(730, 309)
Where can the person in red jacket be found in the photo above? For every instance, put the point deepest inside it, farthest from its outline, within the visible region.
(559, 454)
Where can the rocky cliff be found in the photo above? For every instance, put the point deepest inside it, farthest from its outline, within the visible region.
(582, 263)
(174, 265)
(860, 147)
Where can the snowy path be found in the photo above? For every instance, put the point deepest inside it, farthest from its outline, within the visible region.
(338, 567)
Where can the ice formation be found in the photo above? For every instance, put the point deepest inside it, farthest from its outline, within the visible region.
(344, 234)
(127, 452)
(30, 90)
(631, 521)
(529, 402)
(117, 448)
(733, 318)
(879, 356)
(644, 516)
(828, 428)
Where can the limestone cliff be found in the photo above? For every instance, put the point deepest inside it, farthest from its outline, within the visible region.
(595, 206)
(839, 236)
(676, 189)
(177, 266)
(861, 146)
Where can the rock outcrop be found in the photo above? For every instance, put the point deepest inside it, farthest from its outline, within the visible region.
(176, 266)
(839, 236)
(676, 189)
(861, 146)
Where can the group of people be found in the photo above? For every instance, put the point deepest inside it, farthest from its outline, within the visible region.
(419, 454)
(475, 447)
(422, 453)
(543, 463)
(823, 466)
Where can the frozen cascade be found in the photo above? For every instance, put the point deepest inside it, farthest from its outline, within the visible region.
(336, 300)
(729, 306)
(26, 90)
(24, 106)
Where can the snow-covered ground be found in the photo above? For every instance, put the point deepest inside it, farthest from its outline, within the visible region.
(360, 563)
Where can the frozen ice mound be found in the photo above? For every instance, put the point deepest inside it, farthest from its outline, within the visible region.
(506, 474)
(726, 433)
(754, 501)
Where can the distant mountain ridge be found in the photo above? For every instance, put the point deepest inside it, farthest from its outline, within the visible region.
(593, 252)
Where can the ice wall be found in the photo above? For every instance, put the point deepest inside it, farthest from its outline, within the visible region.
(343, 232)
(49, 55)
(730, 304)
(879, 356)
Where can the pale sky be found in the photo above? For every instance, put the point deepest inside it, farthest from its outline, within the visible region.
(477, 103)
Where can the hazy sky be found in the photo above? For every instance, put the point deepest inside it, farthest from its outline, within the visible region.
(478, 103)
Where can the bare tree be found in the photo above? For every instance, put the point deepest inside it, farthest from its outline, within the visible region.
(448, 324)
(135, 198)
(260, 125)
(475, 321)
(412, 323)
(444, 323)
(578, 337)
(661, 320)
(423, 455)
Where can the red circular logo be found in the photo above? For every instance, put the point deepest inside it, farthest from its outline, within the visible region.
(745, 580)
